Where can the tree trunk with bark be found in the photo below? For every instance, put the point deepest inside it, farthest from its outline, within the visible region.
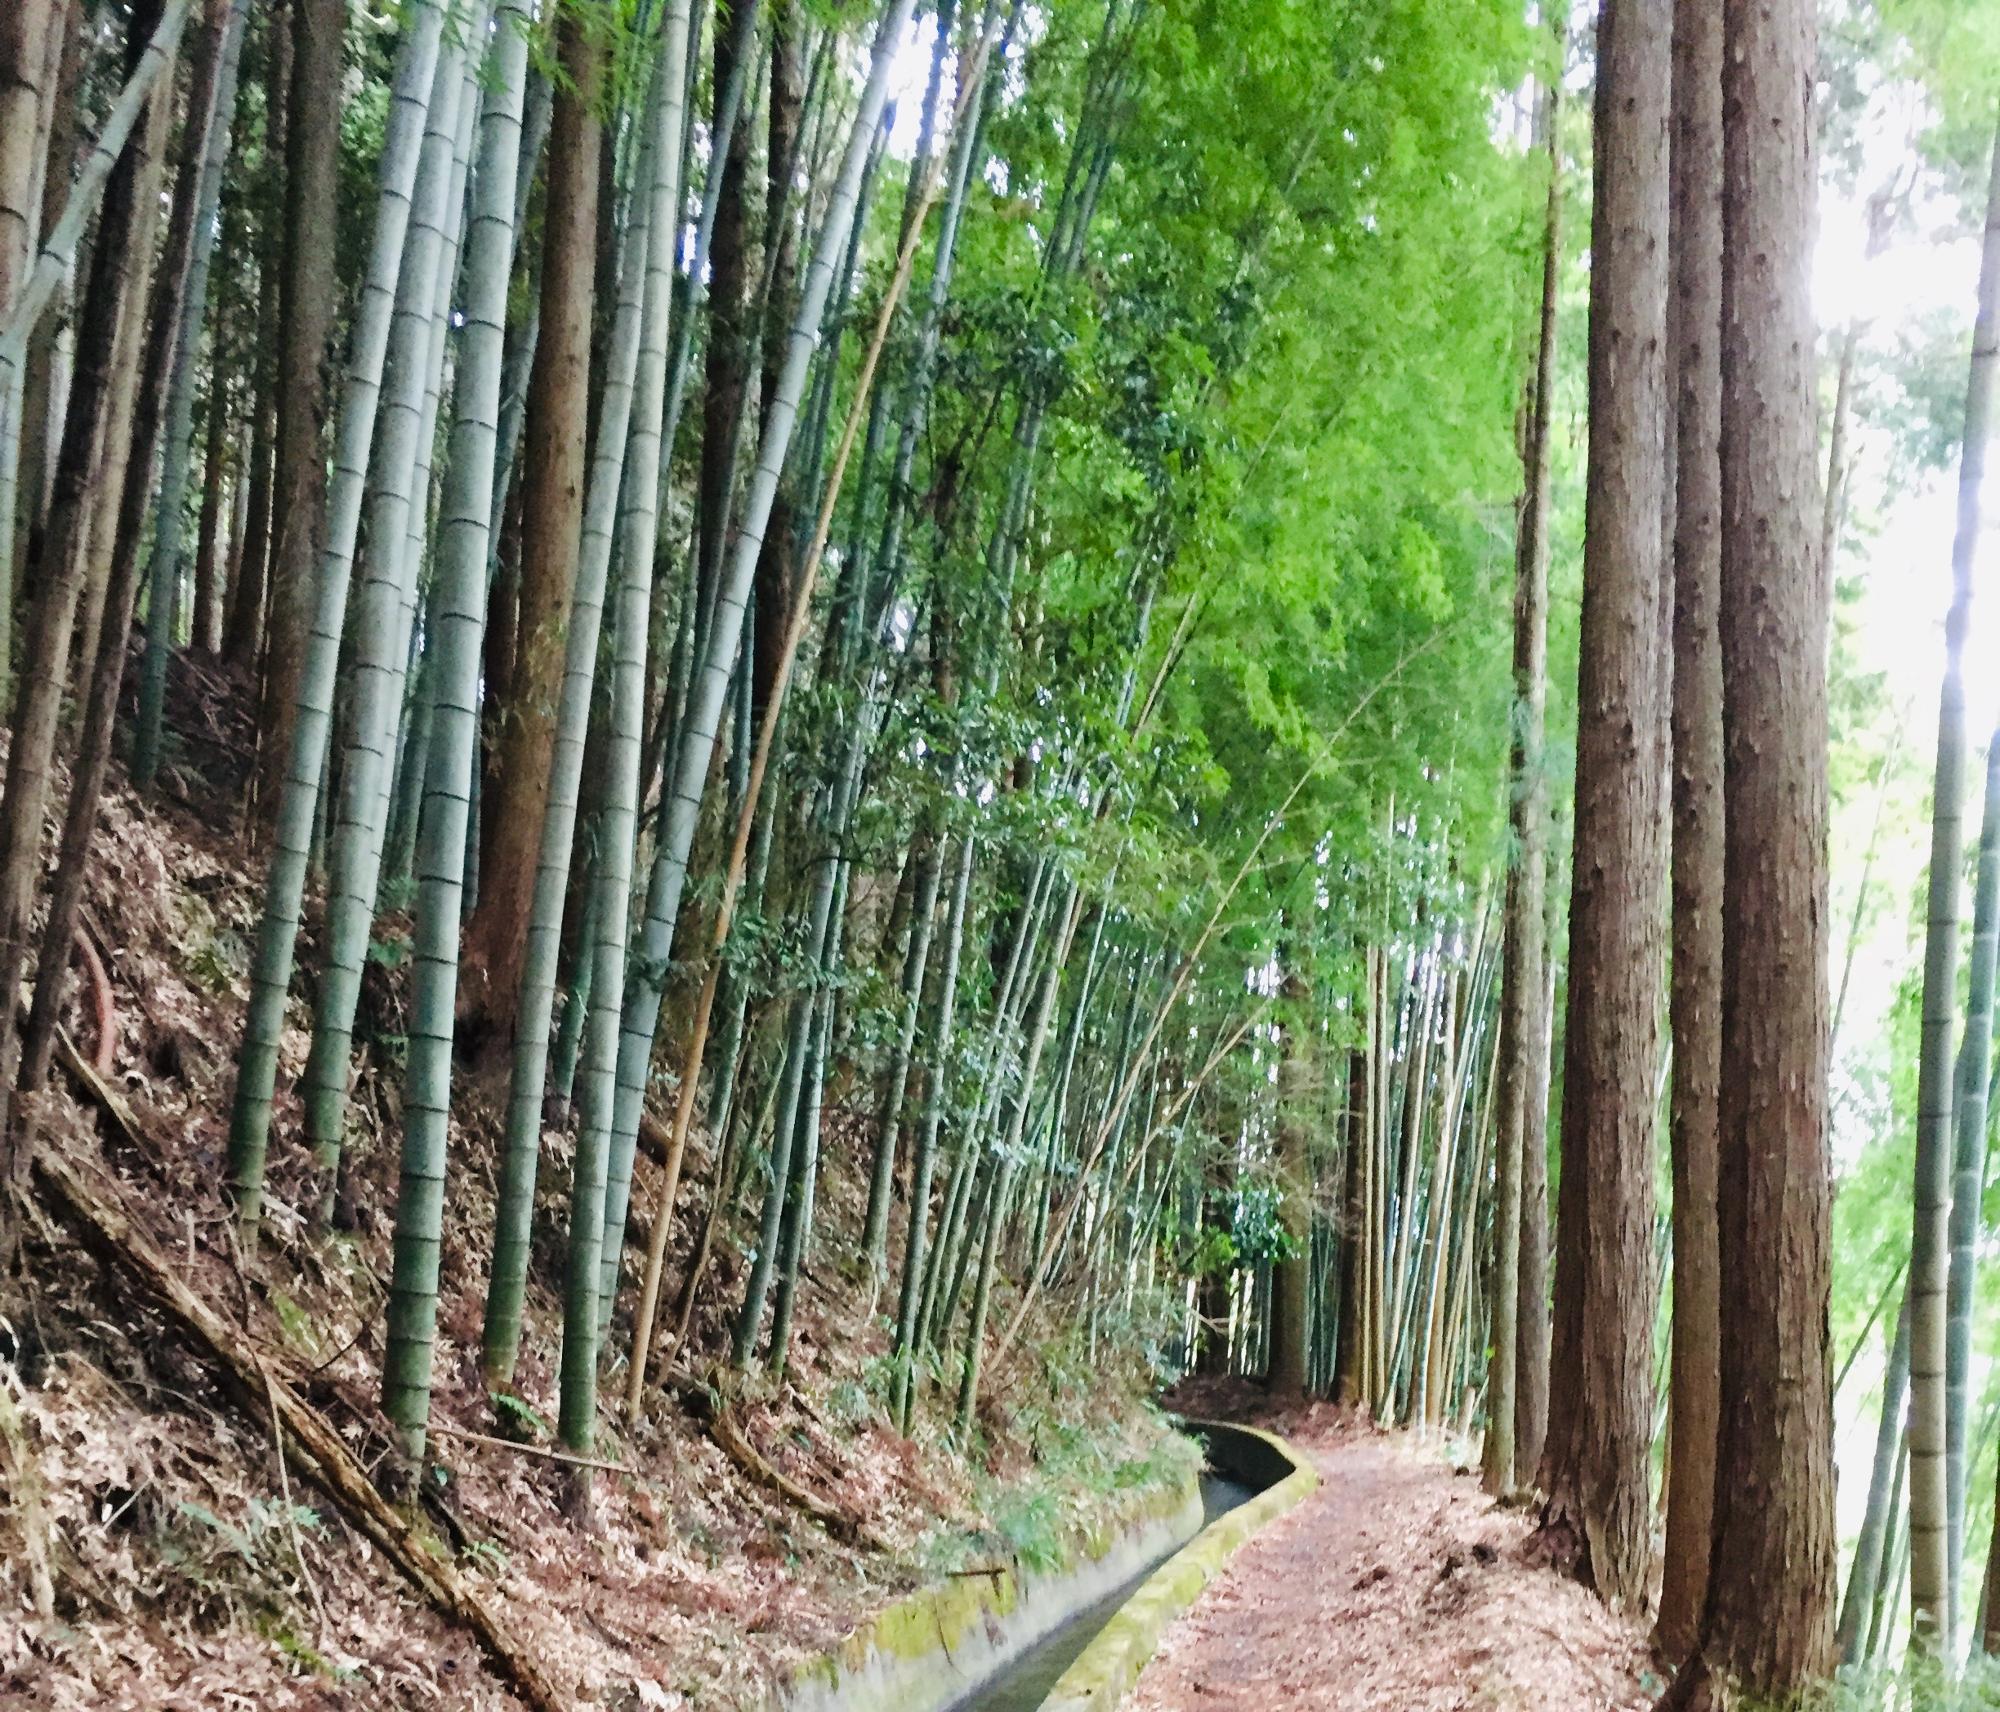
(1597, 1461)
(1695, 996)
(1522, 1051)
(552, 479)
(1768, 1632)
(308, 293)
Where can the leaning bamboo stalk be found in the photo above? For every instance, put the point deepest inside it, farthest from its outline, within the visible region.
(257, 1064)
(638, 332)
(461, 622)
(57, 255)
(739, 850)
(377, 652)
(640, 1008)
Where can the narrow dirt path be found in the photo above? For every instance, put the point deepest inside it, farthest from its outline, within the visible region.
(1397, 1587)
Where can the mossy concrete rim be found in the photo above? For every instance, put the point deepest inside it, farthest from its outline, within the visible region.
(1108, 1668)
(935, 1645)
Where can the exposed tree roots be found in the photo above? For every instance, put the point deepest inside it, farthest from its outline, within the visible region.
(712, 1405)
(102, 1008)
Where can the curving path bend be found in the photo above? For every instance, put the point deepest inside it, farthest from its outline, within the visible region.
(1397, 1587)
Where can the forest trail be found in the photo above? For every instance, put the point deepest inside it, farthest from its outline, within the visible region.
(1397, 1587)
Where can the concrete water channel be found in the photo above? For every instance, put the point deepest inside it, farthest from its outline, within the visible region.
(1069, 1640)
(1024, 1684)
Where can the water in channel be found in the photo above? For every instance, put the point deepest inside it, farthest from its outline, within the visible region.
(1025, 1683)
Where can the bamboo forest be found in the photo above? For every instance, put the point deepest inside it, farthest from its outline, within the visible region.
(924, 855)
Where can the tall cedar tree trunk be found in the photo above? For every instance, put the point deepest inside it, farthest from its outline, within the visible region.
(1597, 1461)
(307, 295)
(552, 516)
(1522, 1050)
(1767, 1633)
(1695, 997)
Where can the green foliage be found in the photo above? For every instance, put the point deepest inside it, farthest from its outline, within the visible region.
(235, 1566)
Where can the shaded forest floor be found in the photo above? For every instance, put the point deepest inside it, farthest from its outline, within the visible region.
(1398, 1586)
(193, 1567)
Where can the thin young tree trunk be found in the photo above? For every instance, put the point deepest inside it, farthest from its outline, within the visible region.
(220, 487)
(301, 501)
(1596, 1466)
(1930, 1241)
(1523, 951)
(1767, 1633)
(257, 1065)
(1864, 1580)
(1695, 995)
(1531, 1398)
(164, 570)
(461, 612)
(243, 632)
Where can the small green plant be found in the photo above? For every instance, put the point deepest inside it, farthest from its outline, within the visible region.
(1032, 1526)
(488, 1555)
(516, 1418)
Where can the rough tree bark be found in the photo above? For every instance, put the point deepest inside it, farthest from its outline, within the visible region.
(1767, 1633)
(308, 290)
(1596, 1463)
(1522, 1051)
(552, 479)
(1695, 996)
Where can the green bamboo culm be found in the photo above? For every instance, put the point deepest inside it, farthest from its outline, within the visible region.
(923, 1158)
(377, 649)
(696, 731)
(298, 802)
(163, 570)
(1974, 1071)
(455, 645)
(638, 536)
(1930, 1237)
(405, 734)
(52, 265)
(631, 336)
